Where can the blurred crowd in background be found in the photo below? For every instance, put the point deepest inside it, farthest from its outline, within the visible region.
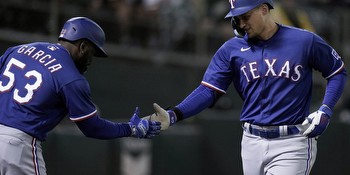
(194, 27)
(178, 25)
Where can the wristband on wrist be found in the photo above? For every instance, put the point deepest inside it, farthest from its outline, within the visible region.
(172, 117)
(324, 108)
(178, 113)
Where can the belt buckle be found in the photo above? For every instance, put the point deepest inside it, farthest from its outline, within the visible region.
(268, 134)
(263, 133)
(272, 134)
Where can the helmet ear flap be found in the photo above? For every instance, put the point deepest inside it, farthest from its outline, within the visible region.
(239, 32)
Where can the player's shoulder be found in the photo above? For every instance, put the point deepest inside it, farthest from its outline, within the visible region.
(294, 32)
(47, 47)
(53, 57)
(234, 43)
(231, 47)
(44, 49)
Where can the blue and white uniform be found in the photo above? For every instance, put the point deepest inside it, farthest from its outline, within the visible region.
(41, 83)
(273, 77)
(274, 80)
(54, 89)
(39, 86)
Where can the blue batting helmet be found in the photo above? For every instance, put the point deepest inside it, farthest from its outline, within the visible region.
(84, 28)
(239, 7)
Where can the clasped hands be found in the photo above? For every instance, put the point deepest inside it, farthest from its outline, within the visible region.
(150, 126)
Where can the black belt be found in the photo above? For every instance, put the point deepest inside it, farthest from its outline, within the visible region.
(270, 132)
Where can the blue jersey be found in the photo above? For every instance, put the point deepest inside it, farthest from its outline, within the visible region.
(273, 77)
(39, 85)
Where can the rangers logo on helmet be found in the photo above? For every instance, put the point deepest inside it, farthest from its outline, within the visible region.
(232, 3)
(239, 7)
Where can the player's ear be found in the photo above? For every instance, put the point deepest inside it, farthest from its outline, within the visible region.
(86, 46)
(264, 8)
(83, 46)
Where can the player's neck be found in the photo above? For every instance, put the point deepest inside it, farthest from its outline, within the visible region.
(270, 29)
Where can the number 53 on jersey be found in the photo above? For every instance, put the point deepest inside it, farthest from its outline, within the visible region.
(6, 86)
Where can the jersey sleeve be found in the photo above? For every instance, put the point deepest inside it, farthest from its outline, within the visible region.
(218, 75)
(324, 58)
(78, 100)
(99, 128)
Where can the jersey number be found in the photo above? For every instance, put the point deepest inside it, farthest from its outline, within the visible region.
(29, 87)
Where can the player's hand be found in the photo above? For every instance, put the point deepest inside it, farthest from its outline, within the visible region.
(316, 123)
(143, 128)
(154, 129)
(166, 118)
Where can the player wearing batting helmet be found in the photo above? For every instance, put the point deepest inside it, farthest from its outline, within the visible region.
(40, 84)
(270, 65)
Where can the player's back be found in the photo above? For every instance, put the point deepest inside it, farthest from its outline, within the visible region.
(31, 77)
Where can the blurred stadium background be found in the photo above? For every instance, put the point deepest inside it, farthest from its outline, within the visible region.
(158, 52)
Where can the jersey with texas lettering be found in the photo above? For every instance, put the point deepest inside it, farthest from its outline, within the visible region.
(273, 77)
(39, 85)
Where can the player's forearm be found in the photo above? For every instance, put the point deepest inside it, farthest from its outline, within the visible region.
(200, 99)
(96, 127)
(334, 89)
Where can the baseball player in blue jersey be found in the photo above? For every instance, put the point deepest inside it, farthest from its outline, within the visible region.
(40, 84)
(270, 65)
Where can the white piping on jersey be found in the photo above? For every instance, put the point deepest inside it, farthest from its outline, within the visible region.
(340, 68)
(212, 87)
(83, 117)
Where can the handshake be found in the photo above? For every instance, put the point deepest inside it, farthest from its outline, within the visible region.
(150, 126)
